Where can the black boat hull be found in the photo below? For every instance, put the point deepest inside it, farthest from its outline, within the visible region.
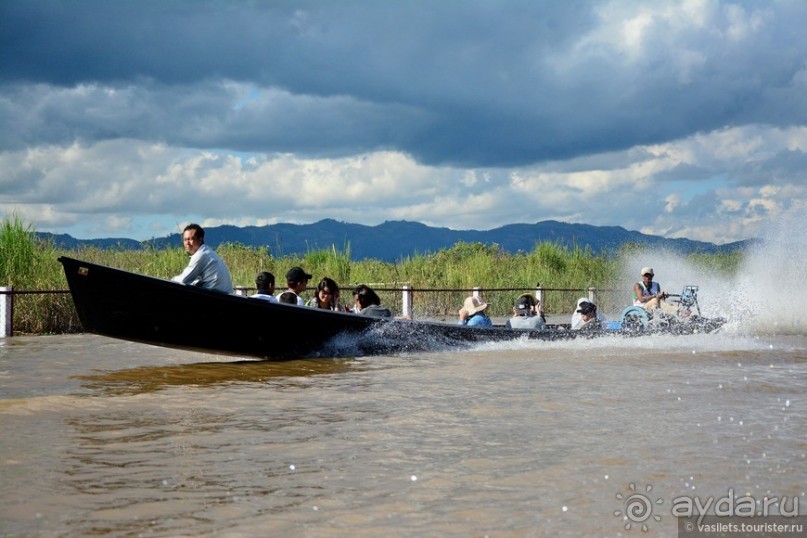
(131, 306)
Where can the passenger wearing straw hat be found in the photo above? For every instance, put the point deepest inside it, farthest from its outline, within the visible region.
(473, 313)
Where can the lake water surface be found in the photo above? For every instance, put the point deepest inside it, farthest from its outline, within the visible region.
(110, 438)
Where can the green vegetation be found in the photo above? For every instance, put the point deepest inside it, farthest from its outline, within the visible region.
(29, 264)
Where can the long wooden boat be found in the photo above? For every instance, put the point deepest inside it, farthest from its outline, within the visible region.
(131, 306)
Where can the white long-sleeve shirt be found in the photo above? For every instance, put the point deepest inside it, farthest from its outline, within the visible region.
(206, 270)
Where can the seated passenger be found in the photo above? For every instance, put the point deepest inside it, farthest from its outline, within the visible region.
(588, 318)
(473, 313)
(526, 314)
(205, 268)
(368, 303)
(288, 297)
(649, 296)
(326, 296)
(576, 315)
(297, 282)
(265, 282)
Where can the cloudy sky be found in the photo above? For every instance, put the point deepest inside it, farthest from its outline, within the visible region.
(131, 118)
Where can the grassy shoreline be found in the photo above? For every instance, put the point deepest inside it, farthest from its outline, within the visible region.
(27, 263)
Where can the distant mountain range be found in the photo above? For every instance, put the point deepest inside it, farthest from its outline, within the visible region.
(394, 240)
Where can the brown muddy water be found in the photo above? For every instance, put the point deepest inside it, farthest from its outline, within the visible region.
(108, 438)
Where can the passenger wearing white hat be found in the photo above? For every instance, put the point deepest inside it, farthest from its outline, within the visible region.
(577, 316)
(588, 318)
(649, 296)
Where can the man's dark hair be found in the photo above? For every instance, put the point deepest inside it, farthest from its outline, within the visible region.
(264, 280)
(587, 308)
(288, 297)
(198, 231)
(366, 296)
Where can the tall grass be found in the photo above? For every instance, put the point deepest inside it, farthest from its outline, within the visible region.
(30, 264)
(17, 252)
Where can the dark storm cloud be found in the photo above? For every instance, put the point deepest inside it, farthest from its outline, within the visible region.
(463, 83)
(675, 117)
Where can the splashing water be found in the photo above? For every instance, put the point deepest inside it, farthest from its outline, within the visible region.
(771, 284)
(764, 297)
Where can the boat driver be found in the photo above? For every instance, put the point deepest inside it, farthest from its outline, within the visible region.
(649, 296)
(205, 268)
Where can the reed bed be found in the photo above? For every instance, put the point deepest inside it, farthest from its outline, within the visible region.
(29, 264)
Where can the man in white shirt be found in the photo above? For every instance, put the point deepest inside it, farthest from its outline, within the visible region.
(265, 282)
(205, 269)
(297, 282)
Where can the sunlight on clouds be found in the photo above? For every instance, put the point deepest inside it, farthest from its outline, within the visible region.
(736, 144)
(627, 26)
(673, 201)
(632, 33)
(586, 183)
(707, 232)
(460, 211)
(674, 152)
(116, 222)
(740, 24)
(590, 182)
(38, 214)
(148, 151)
(680, 35)
(696, 11)
(796, 137)
(222, 174)
(104, 185)
(729, 205)
(769, 191)
(759, 209)
(763, 207)
(306, 183)
(706, 158)
(471, 178)
(82, 177)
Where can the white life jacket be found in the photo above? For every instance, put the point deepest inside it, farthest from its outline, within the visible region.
(655, 288)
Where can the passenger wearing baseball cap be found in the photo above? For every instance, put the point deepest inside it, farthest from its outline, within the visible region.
(297, 282)
(296, 274)
(577, 316)
(526, 314)
(588, 318)
(648, 294)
